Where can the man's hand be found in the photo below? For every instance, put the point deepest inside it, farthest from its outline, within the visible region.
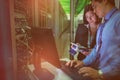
(75, 63)
(89, 72)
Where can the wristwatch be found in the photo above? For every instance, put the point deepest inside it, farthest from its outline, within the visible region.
(100, 75)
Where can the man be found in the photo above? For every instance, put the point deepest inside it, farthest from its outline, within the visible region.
(106, 54)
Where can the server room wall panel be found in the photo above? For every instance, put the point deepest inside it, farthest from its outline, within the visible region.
(25, 14)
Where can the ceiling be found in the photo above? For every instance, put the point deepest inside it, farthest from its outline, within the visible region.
(79, 5)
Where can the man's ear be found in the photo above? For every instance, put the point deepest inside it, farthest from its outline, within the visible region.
(105, 2)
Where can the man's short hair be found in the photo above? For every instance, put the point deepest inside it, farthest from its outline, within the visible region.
(112, 2)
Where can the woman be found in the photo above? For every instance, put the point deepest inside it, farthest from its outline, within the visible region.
(91, 22)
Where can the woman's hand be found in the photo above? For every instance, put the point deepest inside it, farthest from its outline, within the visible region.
(85, 53)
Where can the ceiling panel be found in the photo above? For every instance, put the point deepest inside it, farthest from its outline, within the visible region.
(79, 5)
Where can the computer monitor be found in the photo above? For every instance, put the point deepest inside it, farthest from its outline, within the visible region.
(45, 45)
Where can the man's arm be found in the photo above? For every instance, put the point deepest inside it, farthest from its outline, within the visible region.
(91, 58)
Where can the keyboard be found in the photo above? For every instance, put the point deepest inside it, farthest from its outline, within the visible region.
(72, 72)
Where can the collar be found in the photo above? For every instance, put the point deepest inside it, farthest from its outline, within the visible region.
(110, 13)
